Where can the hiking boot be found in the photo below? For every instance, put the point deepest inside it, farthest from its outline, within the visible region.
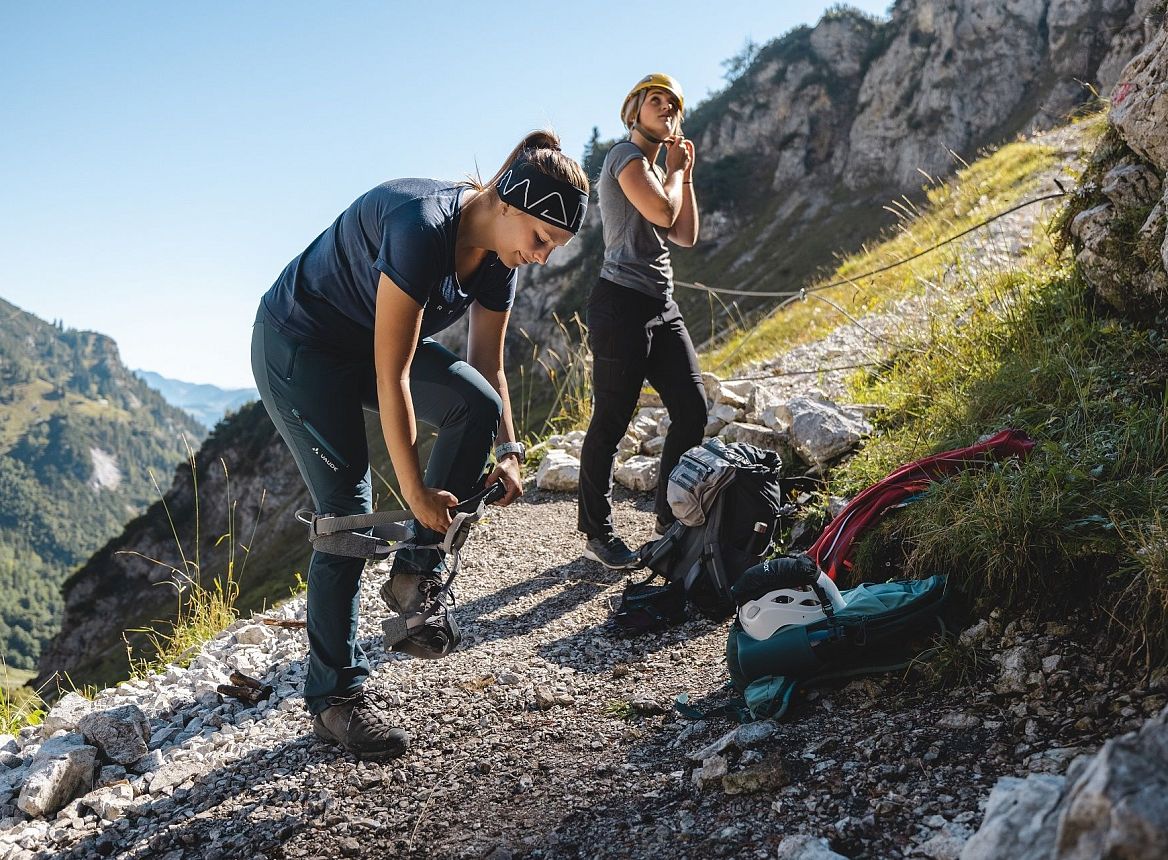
(413, 579)
(409, 590)
(610, 551)
(360, 724)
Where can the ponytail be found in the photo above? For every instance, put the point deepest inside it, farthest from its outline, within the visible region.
(541, 148)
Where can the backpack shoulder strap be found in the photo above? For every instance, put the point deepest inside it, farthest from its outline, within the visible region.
(711, 557)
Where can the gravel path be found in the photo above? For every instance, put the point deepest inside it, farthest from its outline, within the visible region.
(546, 735)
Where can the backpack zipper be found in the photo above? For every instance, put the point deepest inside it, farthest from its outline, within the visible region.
(320, 440)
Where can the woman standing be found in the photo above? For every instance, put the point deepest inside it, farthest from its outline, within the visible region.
(635, 329)
(347, 326)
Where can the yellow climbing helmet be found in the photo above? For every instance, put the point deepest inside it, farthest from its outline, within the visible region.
(657, 80)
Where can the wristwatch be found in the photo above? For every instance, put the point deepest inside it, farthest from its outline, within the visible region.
(505, 448)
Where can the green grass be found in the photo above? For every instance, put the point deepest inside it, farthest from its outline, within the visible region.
(1079, 523)
(205, 604)
(20, 705)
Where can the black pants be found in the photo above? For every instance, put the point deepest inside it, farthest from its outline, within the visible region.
(635, 337)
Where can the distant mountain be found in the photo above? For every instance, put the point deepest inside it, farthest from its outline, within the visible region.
(207, 403)
(244, 477)
(80, 436)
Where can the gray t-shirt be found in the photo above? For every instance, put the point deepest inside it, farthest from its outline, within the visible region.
(635, 254)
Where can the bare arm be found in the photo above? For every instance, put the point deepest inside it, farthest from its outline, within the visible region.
(484, 352)
(685, 227)
(397, 324)
(660, 203)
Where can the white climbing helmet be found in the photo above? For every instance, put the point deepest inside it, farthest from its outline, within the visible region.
(785, 607)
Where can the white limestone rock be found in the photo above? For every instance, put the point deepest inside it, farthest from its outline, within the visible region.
(734, 393)
(627, 447)
(62, 769)
(763, 399)
(1019, 820)
(251, 634)
(558, 471)
(821, 430)
(759, 436)
(110, 802)
(653, 447)
(121, 733)
(663, 424)
(66, 714)
(1139, 102)
(1131, 185)
(1116, 805)
(638, 473)
(800, 846)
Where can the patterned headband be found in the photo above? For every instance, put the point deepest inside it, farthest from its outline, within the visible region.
(526, 187)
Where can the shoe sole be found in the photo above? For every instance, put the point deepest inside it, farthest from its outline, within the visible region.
(589, 554)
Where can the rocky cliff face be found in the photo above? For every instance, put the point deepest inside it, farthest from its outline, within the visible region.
(1120, 212)
(829, 122)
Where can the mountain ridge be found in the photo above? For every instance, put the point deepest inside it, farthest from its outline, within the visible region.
(206, 403)
(80, 437)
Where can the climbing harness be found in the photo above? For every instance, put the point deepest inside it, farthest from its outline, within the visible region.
(384, 533)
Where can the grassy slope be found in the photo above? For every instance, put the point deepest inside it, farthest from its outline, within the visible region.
(1082, 521)
(990, 185)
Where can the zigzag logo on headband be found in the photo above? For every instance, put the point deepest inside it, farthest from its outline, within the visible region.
(555, 210)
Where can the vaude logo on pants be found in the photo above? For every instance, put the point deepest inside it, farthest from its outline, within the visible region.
(327, 461)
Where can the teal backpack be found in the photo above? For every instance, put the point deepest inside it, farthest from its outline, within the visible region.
(880, 628)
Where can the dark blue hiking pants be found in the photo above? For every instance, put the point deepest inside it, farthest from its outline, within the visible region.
(316, 398)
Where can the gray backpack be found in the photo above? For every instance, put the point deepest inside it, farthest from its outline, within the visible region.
(727, 499)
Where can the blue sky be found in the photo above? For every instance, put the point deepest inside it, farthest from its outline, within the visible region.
(161, 162)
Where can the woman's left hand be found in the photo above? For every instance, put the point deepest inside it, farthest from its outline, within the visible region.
(510, 472)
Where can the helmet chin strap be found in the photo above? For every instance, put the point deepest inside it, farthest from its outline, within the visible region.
(652, 138)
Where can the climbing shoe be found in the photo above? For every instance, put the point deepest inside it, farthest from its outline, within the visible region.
(610, 551)
(360, 723)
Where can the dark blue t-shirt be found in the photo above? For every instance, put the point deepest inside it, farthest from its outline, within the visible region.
(405, 228)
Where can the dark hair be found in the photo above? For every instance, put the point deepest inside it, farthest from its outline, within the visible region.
(542, 149)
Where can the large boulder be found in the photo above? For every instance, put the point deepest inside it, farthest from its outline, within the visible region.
(1118, 806)
(819, 429)
(1139, 103)
(1019, 820)
(1114, 804)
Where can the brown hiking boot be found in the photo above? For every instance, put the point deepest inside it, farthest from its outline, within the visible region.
(360, 724)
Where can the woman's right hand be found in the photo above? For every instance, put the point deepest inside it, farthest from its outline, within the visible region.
(432, 508)
(679, 155)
